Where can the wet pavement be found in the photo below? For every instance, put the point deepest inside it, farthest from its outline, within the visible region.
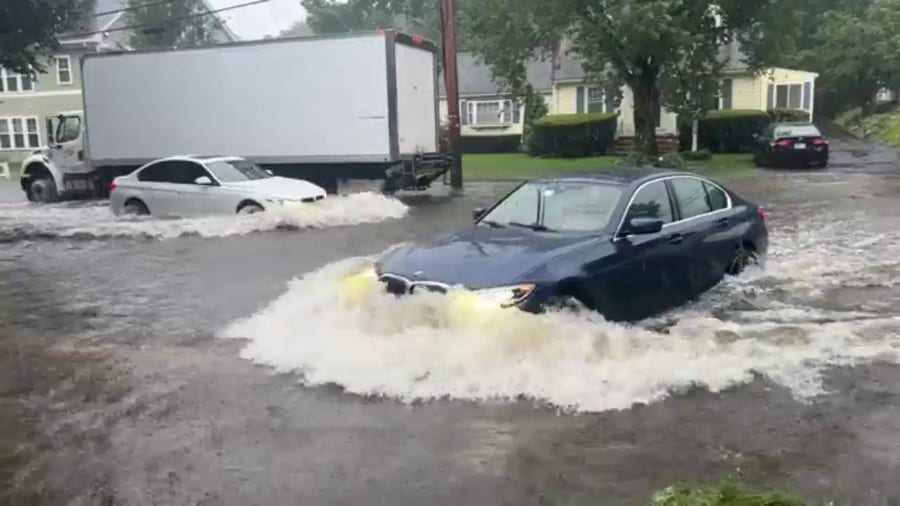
(178, 363)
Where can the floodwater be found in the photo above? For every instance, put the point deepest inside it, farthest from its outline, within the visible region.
(223, 361)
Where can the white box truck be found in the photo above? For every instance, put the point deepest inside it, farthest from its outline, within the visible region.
(322, 109)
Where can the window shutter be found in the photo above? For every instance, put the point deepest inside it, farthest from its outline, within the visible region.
(771, 97)
(807, 99)
(517, 113)
(611, 104)
(727, 92)
(463, 112)
(581, 100)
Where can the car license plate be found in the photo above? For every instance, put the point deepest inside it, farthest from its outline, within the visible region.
(800, 145)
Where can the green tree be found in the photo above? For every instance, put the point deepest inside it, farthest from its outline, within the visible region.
(855, 51)
(30, 30)
(646, 44)
(182, 23)
(421, 17)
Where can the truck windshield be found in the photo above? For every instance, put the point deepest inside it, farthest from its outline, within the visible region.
(235, 171)
(557, 206)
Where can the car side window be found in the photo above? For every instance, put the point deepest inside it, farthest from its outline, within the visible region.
(651, 201)
(717, 198)
(184, 172)
(690, 197)
(157, 172)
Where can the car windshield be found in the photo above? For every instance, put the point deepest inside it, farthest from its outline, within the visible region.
(566, 206)
(797, 131)
(235, 171)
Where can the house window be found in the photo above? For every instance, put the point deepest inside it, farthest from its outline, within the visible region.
(63, 70)
(10, 82)
(594, 99)
(19, 133)
(789, 96)
(490, 112)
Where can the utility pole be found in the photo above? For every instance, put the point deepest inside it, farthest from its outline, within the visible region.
(451, 83)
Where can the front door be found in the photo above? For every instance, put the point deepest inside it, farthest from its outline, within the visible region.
(637, 282)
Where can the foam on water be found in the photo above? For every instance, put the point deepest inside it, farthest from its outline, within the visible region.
(783, 323)
(94, 220)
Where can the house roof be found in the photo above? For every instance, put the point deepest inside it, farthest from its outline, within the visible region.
(475, 78)
(104, 17)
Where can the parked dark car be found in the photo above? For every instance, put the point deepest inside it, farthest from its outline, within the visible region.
(627, 244)
(791, 145)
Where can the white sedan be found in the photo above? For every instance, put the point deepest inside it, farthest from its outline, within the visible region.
(185, 186)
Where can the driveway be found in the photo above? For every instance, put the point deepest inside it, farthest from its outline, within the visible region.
(210, 362)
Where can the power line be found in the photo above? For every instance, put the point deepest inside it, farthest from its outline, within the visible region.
(132, 8)
(169, 20)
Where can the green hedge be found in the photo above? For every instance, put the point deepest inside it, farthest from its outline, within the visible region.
(572, 135)
(729, 131)
(490, 143)
(788, 115)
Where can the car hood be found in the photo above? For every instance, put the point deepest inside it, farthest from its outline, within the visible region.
(279, 188)
(483, 257)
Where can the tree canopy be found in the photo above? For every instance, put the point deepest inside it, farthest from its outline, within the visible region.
(421, 17)
(661, 49)
(30, 30)
(183, 23)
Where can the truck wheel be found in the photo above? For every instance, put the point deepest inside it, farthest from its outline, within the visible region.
(43, 190)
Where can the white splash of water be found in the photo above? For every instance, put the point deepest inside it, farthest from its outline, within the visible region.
(93, 220)
(430, 346)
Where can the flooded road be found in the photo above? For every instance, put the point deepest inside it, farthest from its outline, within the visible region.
(217, 362)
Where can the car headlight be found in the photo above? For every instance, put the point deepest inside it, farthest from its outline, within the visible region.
(504, 296)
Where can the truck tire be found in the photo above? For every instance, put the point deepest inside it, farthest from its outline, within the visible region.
(43, 190)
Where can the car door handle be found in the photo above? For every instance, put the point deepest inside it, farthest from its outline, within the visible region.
(676, 238)
(723, 222)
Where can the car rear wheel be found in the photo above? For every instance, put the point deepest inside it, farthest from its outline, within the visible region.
(43, 190)
(744, 257)
(135, 207)
(250, 208)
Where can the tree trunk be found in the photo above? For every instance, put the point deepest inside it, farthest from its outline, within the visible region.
(646, 109)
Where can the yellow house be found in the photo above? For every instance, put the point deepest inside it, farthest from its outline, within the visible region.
(486, 110)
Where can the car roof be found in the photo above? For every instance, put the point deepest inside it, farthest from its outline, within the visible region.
(200, 158)
(621, 177)
(794, 123)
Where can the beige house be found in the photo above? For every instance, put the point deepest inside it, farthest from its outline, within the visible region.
(485, 110)
(26, 102)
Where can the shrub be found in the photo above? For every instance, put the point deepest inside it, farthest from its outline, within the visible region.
(729, 131)
(788, 115)
(572, 135)
(695, 156)
(490, 143)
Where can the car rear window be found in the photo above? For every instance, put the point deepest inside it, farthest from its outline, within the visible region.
(691, 197)
(797, 131)
(717, 198)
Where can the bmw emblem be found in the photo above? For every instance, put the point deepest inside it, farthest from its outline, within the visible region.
(417, 274)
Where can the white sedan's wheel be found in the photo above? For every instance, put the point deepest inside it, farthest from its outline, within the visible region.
(250, 209)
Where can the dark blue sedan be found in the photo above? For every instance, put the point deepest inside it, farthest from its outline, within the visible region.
(627, 244)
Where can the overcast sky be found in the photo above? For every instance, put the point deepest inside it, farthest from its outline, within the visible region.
(257, 21)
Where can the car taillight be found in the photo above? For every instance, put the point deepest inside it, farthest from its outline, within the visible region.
(819, 142)
(784, 143)
(762, 214)
(112, 185)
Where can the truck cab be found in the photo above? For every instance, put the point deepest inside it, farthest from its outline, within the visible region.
(59, 170)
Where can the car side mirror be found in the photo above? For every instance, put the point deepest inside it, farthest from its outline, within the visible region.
(643, 226)
(478, 212)
(203, 181)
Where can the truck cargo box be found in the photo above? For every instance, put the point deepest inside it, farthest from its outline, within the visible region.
(362, 99)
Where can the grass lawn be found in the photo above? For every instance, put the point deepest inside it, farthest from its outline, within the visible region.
(522, 166)
(883, 127)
